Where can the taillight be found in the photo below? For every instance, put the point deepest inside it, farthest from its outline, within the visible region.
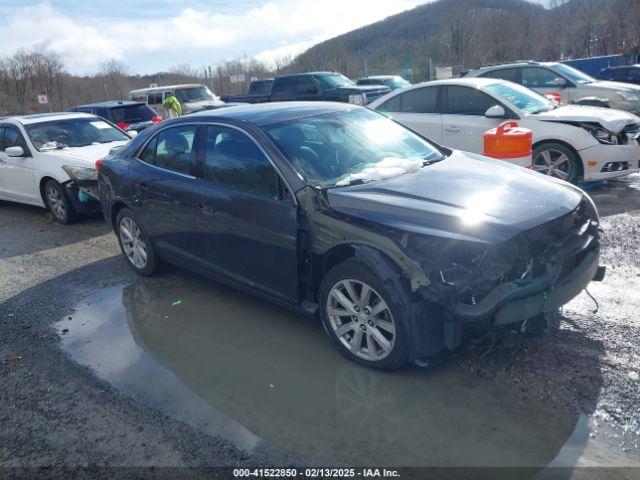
(156, 119)
(122, 125)
(99, 164)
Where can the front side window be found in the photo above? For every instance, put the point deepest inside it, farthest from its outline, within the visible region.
(536, 77)
(172, 149)
(467, 101)
(306, 86)
(420, 100)
(155, 98)
(77, 132)
(233, 159)
(13, 138)
(391, 105)
(354, 146)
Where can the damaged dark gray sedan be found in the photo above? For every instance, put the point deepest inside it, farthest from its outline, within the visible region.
(397, 244)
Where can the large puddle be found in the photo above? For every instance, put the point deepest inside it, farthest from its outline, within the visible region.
(238, 367)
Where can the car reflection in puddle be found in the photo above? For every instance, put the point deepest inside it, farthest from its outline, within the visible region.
(243, 369)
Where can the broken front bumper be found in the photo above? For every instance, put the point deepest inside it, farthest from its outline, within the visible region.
(83, 195)
(518, 301)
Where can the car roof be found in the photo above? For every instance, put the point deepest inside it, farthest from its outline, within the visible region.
(464, 81)
(308, 73)
(110, 104)
(523, 63)
(262, 114)
(616, 67)
(48, 117)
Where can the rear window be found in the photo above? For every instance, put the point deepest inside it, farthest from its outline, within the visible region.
(131, 114)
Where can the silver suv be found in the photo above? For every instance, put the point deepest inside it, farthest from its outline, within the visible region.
(573, 86)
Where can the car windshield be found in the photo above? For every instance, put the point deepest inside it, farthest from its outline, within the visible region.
(77, 132)
(349, 147)
(521, 97)
(573, 74)
(194, 94)
(335, 81)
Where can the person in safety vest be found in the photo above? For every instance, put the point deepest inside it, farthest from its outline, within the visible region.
(173, 107)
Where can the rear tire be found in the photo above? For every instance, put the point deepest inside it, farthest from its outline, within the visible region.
(557, 160)
(135, 244)
(58, 203)
(365, 318)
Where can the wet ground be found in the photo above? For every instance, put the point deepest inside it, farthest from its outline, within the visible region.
(179, 370)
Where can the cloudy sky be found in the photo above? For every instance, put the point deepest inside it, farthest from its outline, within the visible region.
(151, 35)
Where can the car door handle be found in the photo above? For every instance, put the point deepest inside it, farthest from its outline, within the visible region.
(206, 209)
(452, 128)
(141, 187)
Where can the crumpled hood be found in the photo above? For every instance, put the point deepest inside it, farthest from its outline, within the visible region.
(88, 154)
(610, 118)
(466, 197)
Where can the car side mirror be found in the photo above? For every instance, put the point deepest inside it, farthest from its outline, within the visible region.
(132, 133)
(559, 82)
(497, 111)
(16, 151)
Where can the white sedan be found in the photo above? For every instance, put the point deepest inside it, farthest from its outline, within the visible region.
(569, 142)
(48, 160)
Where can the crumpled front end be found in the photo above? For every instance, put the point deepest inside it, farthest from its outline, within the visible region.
(534, 273)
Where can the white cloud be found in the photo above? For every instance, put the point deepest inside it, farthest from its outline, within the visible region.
(202, 35)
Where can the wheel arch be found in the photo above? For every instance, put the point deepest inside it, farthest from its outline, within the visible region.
(544, 141)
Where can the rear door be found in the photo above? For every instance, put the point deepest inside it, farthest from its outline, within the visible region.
(18, 175)
(282, 89)
(163, 183)
(246, 219)
(463, 120)
(418, 109)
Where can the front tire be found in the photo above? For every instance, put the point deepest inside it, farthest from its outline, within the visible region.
(363, 317)
(135, 244)
(58, 203)
(557, 160)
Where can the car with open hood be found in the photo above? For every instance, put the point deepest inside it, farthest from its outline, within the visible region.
(571, 142)
(565, 82)
(48, 160)
(396, 243)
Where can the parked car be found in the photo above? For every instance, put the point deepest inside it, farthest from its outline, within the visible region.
(572, 85)
(318, 86)
(257, 88)
(334, 209)
(570, 142)
(127, 115)
(192, 97)
(48, 160)
(626, 74)
(394, 82)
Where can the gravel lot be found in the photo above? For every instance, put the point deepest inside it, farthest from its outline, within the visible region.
(56, 411)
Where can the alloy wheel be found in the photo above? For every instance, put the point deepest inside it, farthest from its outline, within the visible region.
(133, 243)
(554, 163)
(56, 202)
(361, 320)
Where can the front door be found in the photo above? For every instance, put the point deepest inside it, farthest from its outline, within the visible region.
(246, 220)
(17, 175)
(463, 121)
(163, 187)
